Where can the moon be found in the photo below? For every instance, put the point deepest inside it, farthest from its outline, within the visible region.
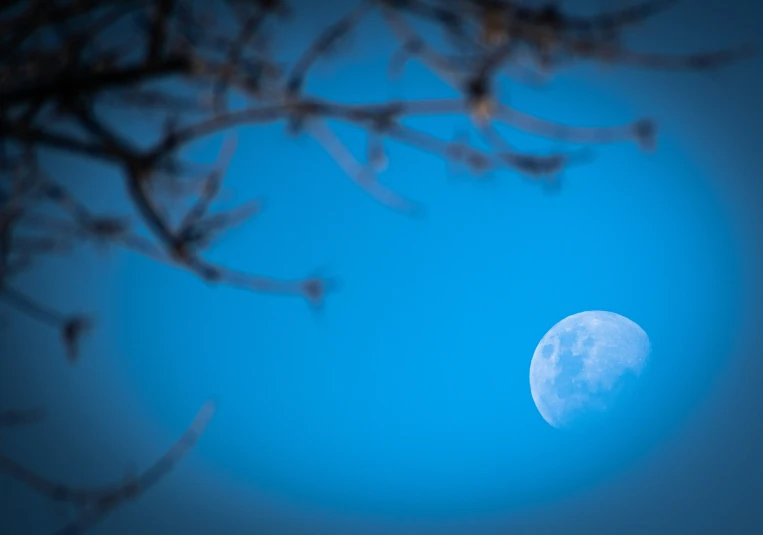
(583, 366)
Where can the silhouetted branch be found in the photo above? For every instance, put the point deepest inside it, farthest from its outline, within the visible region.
(93, 504)
(42, 85)
(25, 304)
(362, 175)
(64, 65)
(691, 62)
(20, 418)
(325, 41)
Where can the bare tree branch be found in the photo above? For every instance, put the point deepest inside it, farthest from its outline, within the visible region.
(94, 504)
(20, 418)
(65, 66)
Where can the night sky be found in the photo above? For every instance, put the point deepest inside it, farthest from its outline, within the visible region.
(404, 407)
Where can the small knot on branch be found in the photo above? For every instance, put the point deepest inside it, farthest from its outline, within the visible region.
(645, 132)
(71, 334)
(495, 25)
(385, 118)
(301, 113)
(108, 227)
(180, 251)
(276, 7)
(211, 274)
(315, 289)
(479, 98)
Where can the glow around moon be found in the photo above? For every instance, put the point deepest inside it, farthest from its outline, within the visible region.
(582, 365)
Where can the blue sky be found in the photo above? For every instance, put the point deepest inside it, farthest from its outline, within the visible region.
(405, 405)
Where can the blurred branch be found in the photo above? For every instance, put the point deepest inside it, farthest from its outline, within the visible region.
(93, 504)
(323, 44)
(65, 65)
(20, 418)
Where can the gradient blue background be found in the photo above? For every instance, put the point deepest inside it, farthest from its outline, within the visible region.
(405, 407)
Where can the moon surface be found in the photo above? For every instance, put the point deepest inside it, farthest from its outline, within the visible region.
(583, 365)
